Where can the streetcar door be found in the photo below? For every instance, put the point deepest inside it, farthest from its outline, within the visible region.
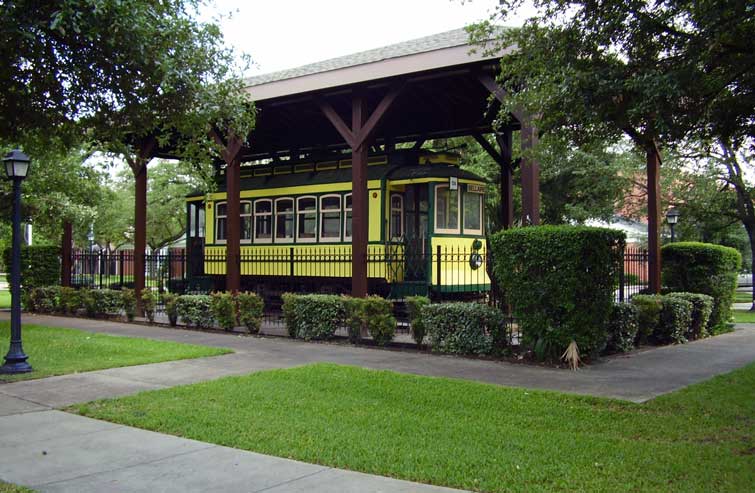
(416, 233)
(195, 239)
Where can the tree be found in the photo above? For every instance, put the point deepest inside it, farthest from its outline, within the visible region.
(655, 72)
(577, 183)
(169, 183)
(61, 185)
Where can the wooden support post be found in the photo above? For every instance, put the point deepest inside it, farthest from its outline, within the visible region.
(359, 137)
(360, 218)
(231, 153)
(138, 166)
(530, 177)
(530, 167)
(654, 244)
(233, 232)
(140, 231)
(503, 158)
(65, 253)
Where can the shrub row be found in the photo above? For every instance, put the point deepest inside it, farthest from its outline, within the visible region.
(40, 265)
(224, 309)
(458, 328)
(319, 316)
(660, 319)
(703, 268)
(201, 311)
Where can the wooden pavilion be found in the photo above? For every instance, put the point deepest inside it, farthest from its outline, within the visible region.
(427, 88)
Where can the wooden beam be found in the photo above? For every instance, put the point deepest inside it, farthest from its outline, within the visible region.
(335, 119)
(367, 131)
(500, 93)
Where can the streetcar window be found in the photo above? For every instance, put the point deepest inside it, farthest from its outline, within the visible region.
(397, 216)
(307, 219)
(446, 209)
(284, 219)
(221, 218)
(330, 218)
(263, 220)
(472, 213)
(245, 209)
(200, 222)
(347, 217)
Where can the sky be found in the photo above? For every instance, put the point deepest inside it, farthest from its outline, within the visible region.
(281, 34)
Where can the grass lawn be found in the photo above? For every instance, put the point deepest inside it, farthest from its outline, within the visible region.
(58, 351)
(743, 316)
(12, 488)
(464, 434)
(4, 299)
(742, 297)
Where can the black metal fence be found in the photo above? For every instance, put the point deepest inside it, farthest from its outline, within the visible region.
(394, 270)
(633, 277)
(115, 270)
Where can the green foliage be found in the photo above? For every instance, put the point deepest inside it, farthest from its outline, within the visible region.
(195, 310)
(464, 328)
(372, 315)
(290, 313)
(559, 280)
(40, 265)
(70, 300)
(170, 302)
(149, 302)
(414, 305)
(251, 310)
(354, 318)
(45, 299)
(128, 301)
(703, 268)
(702, 308)
(622, 327)
(312, 316)
(89, 302)
(223, 308)
(676, 319)
(649, 315)
(655, 72)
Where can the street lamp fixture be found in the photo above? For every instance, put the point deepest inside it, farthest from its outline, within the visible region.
(16, 168)
(672, 217)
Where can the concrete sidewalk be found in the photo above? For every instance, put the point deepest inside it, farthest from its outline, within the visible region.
(637, 377)
(53, 451)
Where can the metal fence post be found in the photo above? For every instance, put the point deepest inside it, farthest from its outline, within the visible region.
(438, 266)
(622, 279)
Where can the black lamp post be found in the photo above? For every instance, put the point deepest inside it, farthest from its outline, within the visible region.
(90, 238)
(16, 167)
(672, 217)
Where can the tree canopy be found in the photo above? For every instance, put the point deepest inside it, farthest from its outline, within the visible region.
(656, 71)
(115, 71)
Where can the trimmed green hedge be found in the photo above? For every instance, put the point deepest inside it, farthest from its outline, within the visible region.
(703, 268)
(622, 327)
(649, 308)
(40, 265)
(372, 315)
(251, 309)
(559, 281)
(676, 320)
(223, 306)
(702, 308)
(196, 310)
(312, 316)
(414, 306)
(465, 328)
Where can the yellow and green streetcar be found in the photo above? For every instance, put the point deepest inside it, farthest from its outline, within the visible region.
(426, 227)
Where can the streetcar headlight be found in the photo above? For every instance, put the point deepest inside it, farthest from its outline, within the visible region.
(475, 261)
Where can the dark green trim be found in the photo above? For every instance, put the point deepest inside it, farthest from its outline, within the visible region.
(302, 244)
